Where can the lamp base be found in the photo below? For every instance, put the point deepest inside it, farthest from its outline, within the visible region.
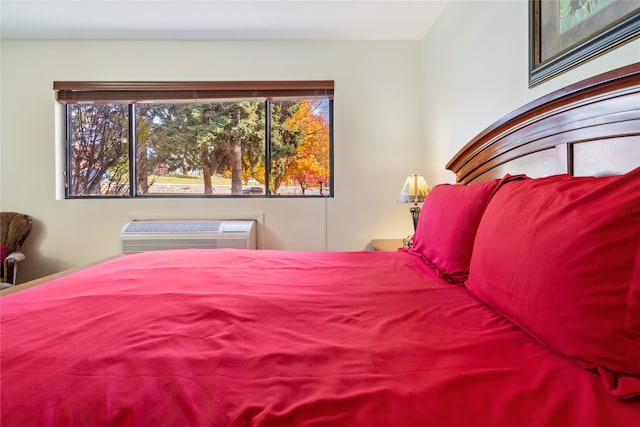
(415, 214)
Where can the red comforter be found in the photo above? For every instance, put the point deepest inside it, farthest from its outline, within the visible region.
(269, 338)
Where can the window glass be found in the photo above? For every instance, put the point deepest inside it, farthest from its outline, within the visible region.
(98, 149)
(270, 147)
(300, 147)
(200, 148)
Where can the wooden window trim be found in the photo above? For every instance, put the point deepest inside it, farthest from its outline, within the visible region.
(72, 92)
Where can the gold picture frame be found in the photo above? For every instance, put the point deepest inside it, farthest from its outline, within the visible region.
(564, 33)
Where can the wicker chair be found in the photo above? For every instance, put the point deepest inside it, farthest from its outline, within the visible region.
(14, 229)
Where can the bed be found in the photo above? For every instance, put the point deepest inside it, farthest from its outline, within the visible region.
(518, 304)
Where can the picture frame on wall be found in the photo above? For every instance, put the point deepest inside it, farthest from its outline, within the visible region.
(565, 33)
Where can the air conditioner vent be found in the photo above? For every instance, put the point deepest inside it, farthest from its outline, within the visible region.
(140, 236)
(176, 226)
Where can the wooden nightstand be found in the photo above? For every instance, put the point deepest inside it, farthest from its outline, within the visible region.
(386, 245)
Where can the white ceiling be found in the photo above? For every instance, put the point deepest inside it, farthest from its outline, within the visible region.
(218, 19)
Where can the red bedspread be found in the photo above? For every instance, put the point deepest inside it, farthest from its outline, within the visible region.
(269, 338)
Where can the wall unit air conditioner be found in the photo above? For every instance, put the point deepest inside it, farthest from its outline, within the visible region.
(140, 236)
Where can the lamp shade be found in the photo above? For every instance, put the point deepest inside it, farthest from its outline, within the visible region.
(414, 190)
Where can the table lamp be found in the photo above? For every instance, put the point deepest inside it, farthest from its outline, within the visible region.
(414, 190)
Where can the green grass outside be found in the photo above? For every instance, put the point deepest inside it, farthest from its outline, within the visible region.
(183, 179)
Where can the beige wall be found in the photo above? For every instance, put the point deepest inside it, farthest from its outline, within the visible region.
(475, 70)
(377, 132)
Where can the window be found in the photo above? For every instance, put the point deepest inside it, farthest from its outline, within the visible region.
(203, 139)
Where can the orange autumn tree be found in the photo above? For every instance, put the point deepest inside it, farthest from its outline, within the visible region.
(309, 167)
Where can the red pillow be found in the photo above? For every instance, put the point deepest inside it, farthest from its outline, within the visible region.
(447, 226)
(559, 256)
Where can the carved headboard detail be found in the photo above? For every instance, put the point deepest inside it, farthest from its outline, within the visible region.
(589, 128)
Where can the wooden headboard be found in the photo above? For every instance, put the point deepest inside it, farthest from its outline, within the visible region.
(589, 128)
